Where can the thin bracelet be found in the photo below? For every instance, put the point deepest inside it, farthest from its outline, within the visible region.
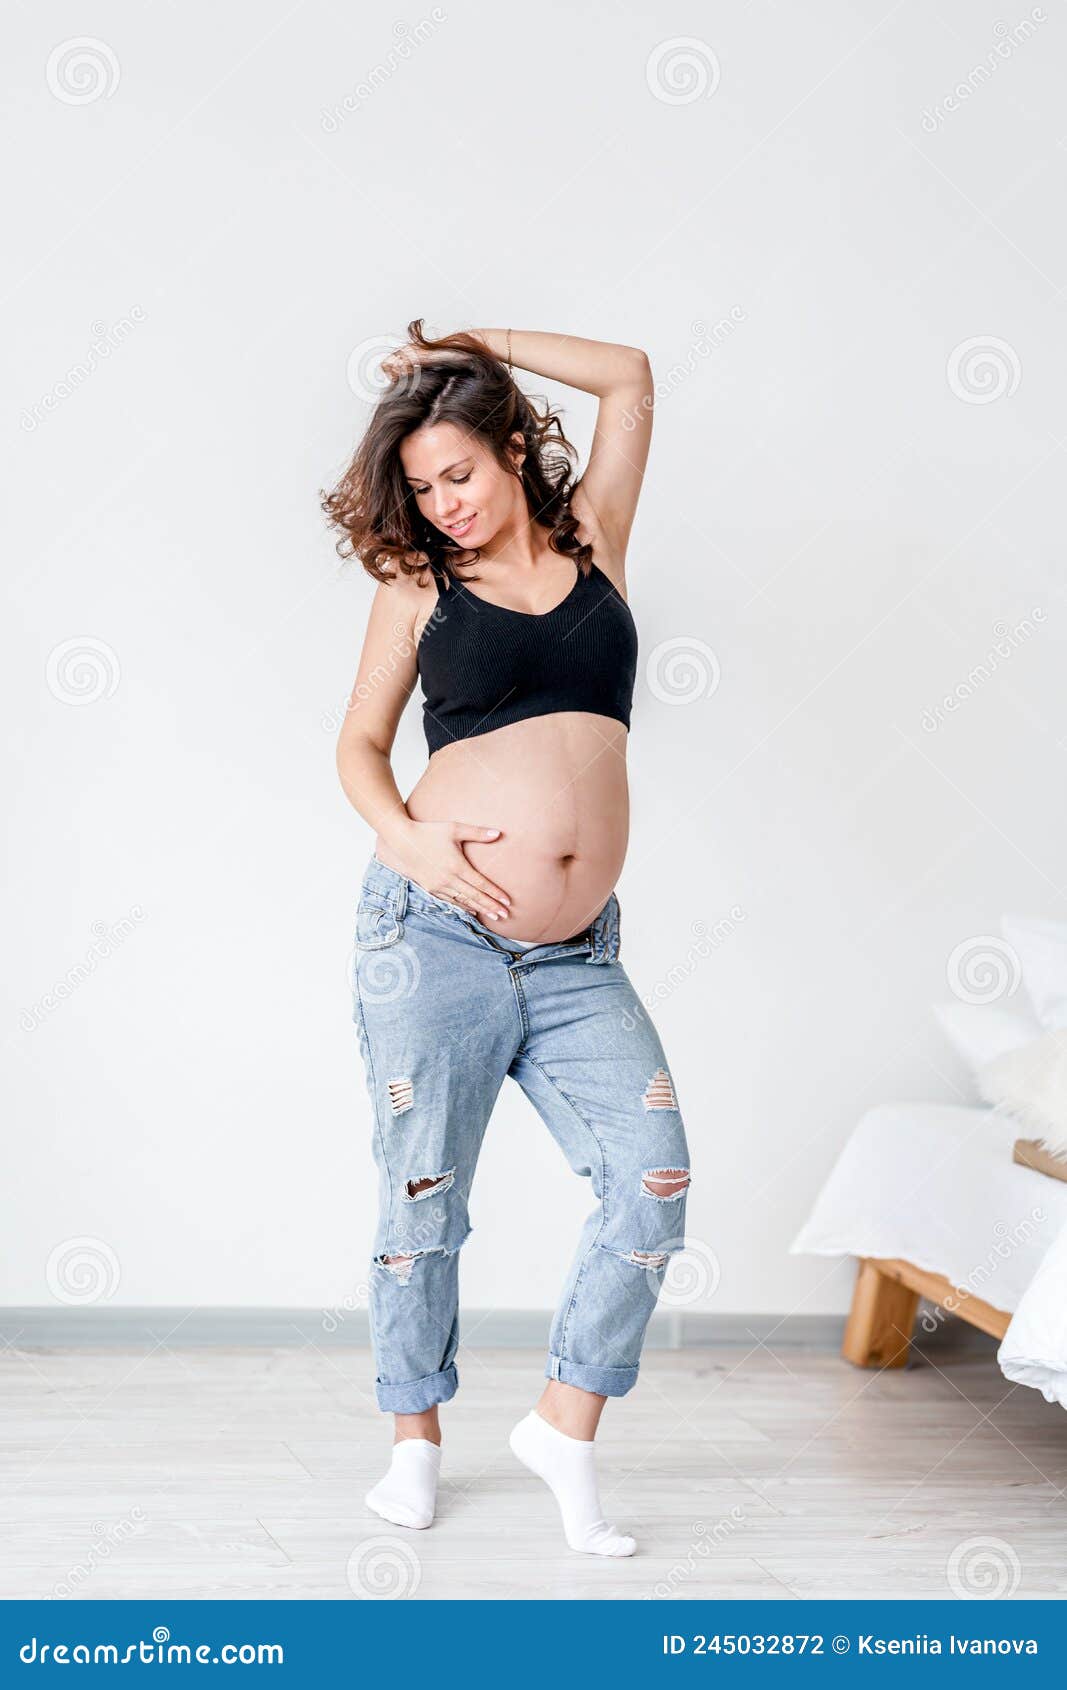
(510, 370)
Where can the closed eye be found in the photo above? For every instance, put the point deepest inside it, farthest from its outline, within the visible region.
(456, 480)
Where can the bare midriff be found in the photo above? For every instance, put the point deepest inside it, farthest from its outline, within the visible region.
(556, 787)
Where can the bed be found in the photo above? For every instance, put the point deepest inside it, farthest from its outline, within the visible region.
(928, 1198)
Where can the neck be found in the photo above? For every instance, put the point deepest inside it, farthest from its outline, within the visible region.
(521, 545)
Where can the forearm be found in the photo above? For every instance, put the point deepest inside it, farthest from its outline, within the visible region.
(369, 785)
(594, 366)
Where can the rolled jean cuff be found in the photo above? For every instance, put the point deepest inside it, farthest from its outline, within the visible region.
(412, 1396)
(605, 1381)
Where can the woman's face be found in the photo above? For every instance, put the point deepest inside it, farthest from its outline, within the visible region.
(458, 484)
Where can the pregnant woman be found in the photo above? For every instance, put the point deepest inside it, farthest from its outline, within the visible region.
(487, 932)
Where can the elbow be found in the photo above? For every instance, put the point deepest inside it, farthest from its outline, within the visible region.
(343, 743)
(642, 364)
(355, 745)
(343, 765)
(347, 751)
(636, 374)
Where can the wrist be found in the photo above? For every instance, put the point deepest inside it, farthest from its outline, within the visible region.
(398, 829)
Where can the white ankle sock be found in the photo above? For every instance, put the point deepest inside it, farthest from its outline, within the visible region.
(569, 1470)
(408, 1493)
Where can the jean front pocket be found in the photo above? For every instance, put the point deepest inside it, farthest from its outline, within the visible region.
(376, 929)
(386, 968)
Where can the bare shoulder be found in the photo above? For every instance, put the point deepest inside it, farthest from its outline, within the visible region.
(410, 598)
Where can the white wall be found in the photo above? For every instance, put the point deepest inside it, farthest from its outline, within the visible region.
(823, 511)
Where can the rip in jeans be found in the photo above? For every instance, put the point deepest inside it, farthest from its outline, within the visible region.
(666, 1185)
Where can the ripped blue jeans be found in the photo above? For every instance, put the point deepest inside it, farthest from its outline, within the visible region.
(445, 1011)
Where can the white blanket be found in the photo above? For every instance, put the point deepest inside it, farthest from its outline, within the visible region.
(934, 1184)
(1034, 1350)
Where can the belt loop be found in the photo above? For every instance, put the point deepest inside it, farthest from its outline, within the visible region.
(605, 933)
(401, 903)
(594, 941)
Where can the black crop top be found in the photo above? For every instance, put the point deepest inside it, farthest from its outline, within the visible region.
(483, 666)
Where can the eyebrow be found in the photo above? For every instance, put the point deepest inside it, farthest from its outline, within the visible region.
(443, 472)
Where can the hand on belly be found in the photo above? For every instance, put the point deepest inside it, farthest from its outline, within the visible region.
(556, 787)
(553, 895)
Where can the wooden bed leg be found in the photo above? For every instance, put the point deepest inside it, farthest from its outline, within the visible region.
(880, 1321)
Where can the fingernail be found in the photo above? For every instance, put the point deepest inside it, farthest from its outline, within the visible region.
(493, 832)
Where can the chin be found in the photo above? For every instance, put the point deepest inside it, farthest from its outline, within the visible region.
(476, 536)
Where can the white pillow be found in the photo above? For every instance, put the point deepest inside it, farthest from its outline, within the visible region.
(1041, 947)
(1031, 1085)
(980, 1032)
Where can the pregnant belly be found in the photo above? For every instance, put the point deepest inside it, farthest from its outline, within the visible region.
(556, 787)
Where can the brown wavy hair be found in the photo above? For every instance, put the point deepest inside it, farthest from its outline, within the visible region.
(373, 504)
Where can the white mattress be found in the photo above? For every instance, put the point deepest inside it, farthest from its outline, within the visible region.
(935, 1184)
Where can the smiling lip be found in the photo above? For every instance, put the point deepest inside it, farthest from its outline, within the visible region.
(460, 527)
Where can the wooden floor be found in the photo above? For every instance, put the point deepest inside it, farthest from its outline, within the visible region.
(744, 1473)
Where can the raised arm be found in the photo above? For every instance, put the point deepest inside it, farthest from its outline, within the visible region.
(605, 499)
